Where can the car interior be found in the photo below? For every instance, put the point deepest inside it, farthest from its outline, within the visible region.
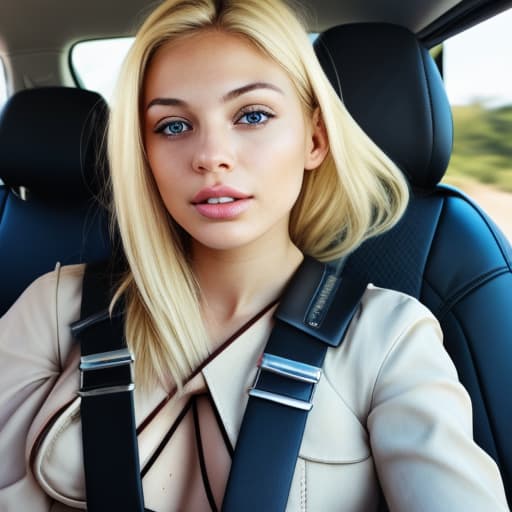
(49, 187)
(446, 251)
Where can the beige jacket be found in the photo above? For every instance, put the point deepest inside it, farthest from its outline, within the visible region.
(387, 409)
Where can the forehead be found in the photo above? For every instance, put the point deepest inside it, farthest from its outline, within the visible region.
(213, 61)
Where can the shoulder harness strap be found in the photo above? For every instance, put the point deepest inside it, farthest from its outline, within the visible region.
(314, 314)
(109, 438)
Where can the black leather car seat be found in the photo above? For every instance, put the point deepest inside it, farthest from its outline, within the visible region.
(3, 197)
(51, 167)
(445, 251)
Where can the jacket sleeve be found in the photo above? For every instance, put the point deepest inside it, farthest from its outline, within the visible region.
(420, 427)
(31, 357)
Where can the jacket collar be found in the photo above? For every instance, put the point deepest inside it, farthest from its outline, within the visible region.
(230, 375)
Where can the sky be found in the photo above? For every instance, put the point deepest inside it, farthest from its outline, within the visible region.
(477, 64)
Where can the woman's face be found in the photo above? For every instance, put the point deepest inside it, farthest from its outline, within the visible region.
(227, 140)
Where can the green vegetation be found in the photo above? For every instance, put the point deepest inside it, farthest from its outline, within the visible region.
(482, 148)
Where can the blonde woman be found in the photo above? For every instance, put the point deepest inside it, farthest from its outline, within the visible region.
(231, 158)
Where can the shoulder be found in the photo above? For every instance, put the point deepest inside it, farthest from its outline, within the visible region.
(64, 280)
(388, 318)
(405, 335)
(61, 283)
(43, 312)
(387, 323)
(393, 311)
(385, 318)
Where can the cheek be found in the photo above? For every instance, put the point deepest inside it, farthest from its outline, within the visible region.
(283, 144)
(166, 182)
(282, 168)
(296, 161)
(155, 158)
(165, 165)
(287, 159)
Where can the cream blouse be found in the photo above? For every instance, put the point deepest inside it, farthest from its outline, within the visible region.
(388, 412)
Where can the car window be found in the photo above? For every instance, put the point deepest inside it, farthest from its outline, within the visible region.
(96, 64)
(478, 76)
(3, 84)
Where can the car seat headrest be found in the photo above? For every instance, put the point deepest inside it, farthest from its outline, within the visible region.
(51, 140)
(391, 85)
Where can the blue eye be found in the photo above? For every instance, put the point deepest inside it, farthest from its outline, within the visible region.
(256, 117)
(173, 128)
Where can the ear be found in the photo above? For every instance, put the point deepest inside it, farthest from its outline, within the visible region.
(317, 143)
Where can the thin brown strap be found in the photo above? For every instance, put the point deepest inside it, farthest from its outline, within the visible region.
(166, 439)
(149, 418)
(202, 461)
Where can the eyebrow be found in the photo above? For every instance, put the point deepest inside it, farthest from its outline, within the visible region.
(248, 88)
(235, 93)
(166, 102)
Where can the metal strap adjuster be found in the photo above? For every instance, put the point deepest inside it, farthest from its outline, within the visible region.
(291, 369)
(103, 361)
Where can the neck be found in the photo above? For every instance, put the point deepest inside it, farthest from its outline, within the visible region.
(235, 285)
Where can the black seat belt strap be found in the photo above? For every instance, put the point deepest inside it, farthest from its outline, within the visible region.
(111, 456)
(314, 314)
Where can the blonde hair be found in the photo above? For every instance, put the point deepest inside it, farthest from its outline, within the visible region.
(357, 192)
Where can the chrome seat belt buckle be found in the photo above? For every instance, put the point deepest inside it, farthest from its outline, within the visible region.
(103, 362)
(291, 369)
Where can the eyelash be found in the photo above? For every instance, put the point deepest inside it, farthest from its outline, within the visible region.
(163, 127)
(255, 110)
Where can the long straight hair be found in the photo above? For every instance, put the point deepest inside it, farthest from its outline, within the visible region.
(357, 192)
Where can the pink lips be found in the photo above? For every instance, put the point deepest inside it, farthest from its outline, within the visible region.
(222, 210)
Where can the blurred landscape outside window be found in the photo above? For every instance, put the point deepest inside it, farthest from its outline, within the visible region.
(477, 69)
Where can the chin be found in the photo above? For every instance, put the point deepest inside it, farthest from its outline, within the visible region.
(223, 244)
(236, 236)
(227, 239)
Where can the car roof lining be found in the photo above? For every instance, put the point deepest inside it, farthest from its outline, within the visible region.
(100, 18)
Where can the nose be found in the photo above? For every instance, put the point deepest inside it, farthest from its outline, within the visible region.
(214, 152)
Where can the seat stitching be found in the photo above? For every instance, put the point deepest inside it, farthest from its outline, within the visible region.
(463, 292)
(457, 193)
(430, 106)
